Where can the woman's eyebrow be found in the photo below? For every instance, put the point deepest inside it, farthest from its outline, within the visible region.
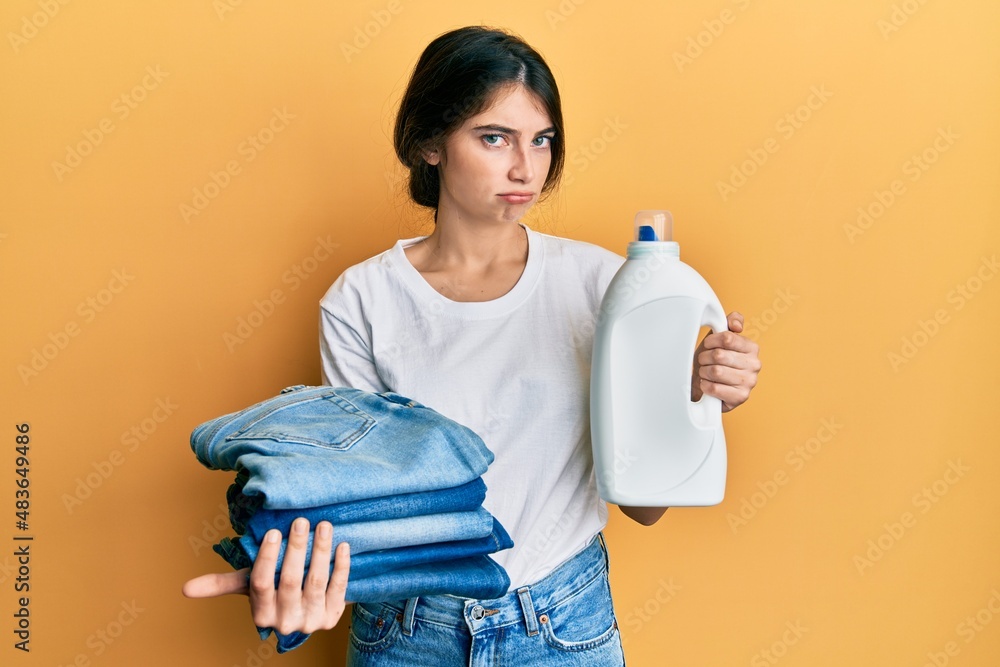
(509, 130)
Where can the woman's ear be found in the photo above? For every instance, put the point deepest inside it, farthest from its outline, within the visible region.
(431, 157)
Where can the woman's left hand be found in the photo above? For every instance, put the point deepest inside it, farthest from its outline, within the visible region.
(726, 365)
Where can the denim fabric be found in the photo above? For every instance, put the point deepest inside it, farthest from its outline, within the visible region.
(378, 562)
(478, 576)
(241, 506)
(400, 482)
(313, 446)
(373, 563)
(394, 533)
(566, 618)
(462, 498)
(233, 553)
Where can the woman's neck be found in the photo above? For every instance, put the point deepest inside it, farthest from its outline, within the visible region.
(476, 248)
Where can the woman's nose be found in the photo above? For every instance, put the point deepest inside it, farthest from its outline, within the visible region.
(523, 168)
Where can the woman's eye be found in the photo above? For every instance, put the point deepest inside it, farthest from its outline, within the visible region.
(492, 139)
(542, 141)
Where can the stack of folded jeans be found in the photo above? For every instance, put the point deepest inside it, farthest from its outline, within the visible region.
(400, 483)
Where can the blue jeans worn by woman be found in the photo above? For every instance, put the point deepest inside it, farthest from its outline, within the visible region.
(566, 618)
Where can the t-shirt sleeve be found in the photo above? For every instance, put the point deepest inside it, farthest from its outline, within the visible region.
(345, 345)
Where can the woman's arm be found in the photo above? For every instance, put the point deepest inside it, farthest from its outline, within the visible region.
(647, 516)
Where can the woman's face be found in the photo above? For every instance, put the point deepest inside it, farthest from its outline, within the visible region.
(494, 165)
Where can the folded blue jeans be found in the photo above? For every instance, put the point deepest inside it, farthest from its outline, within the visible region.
(373, 563)
(313, 446)
(457, 567)
(394, 533)
(466, 497)
(477, 576)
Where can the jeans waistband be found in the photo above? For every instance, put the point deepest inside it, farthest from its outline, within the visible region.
(522, 606)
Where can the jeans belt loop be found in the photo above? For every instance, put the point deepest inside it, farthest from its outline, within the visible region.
(409, 613)
(529, 610)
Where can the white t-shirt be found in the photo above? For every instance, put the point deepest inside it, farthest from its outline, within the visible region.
(516, 370)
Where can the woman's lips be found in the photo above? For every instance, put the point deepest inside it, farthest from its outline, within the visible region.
(517, 197)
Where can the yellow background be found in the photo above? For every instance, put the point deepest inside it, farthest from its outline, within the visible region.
(663, 101)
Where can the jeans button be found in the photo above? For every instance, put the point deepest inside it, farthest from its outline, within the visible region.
(478, 612)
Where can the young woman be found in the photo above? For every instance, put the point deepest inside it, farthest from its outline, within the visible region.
(490, 323)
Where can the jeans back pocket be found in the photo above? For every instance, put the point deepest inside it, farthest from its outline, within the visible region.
(318, 418)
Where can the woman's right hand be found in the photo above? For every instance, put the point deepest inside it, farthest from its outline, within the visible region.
(291, 606)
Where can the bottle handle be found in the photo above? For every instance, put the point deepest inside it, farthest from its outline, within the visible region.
(706, 413)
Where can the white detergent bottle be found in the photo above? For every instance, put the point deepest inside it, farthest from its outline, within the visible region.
(654, 446)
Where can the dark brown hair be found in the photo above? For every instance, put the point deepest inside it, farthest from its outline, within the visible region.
(457, 76)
